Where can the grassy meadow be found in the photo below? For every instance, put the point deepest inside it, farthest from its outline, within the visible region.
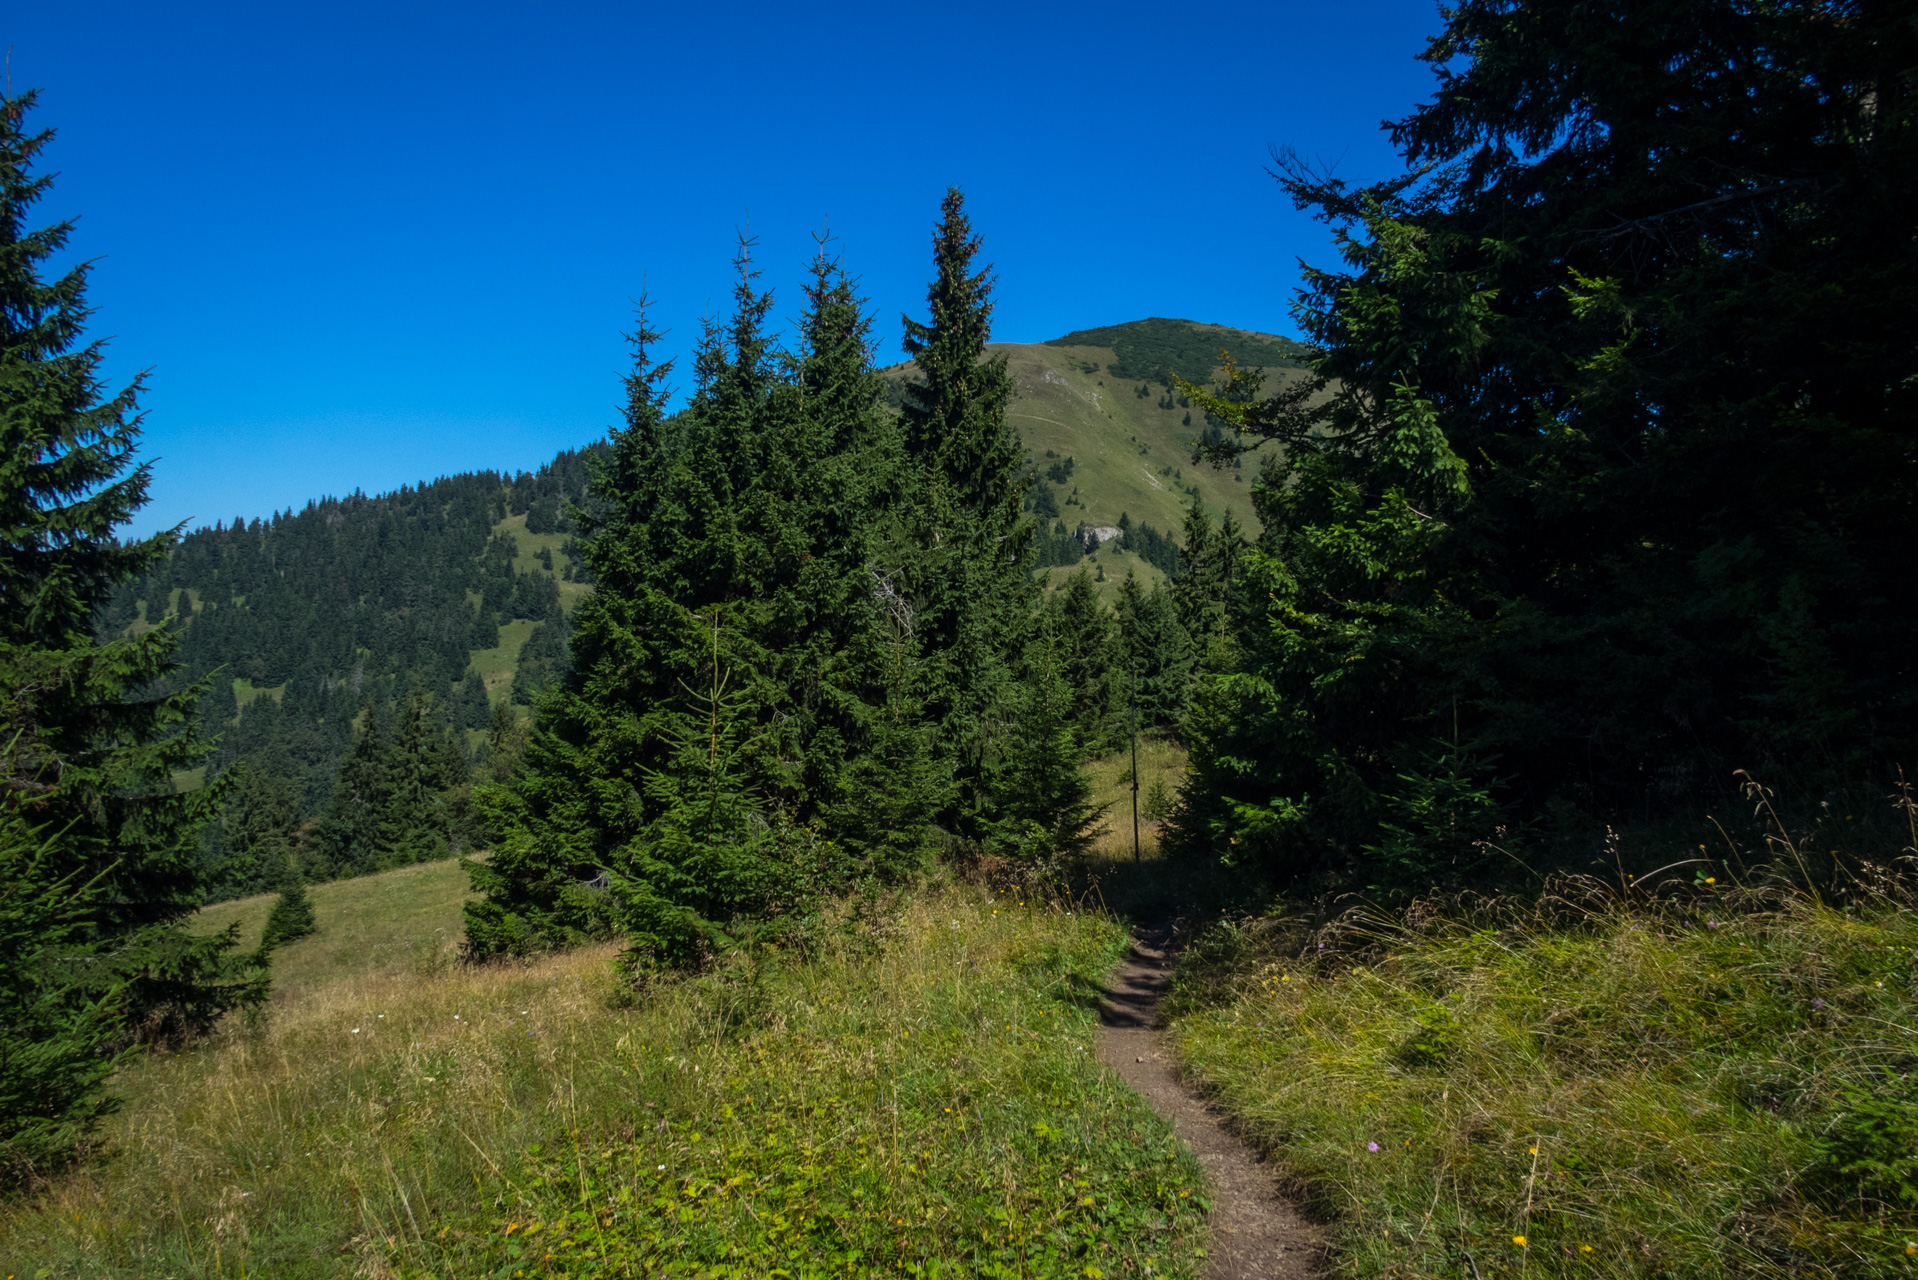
(911, 1092)
(402, 924)
(1669, 1091)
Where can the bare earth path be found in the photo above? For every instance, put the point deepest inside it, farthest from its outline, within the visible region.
(1257, 1234)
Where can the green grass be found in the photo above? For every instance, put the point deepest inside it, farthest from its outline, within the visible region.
(911, 1090)
(1599, 1092)
(1160, 761)
(245, 691)
(497, 665)
(403, 923)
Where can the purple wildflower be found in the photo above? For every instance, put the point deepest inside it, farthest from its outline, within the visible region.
(1371, 1146)
(1816, 1003)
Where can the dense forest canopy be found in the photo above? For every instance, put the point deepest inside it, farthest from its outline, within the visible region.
(347, 608)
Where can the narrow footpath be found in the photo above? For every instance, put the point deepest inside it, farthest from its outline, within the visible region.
(1257, 1233)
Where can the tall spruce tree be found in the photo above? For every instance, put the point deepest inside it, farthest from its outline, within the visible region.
(349, 837)
(291, 917)
(970, 578)
(1091, 661)
(1203, 590)
(1157, 653)
(91, 736)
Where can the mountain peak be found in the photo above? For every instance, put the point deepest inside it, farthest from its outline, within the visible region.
(1154, 349)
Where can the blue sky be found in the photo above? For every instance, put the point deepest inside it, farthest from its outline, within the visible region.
(363, 245)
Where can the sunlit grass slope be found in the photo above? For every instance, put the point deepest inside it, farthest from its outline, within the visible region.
(401, 923)
(1644, 1096)
(1161, 761)
(1130, 455)
(919, 1097)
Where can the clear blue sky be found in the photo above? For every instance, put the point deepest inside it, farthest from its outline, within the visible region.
(362, 245)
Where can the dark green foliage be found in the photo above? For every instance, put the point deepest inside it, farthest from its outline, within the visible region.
(1616, 467)
(1870, 1148)
(543, 660)
(745, 550)
(1209, 564)
(90, 735)
(257, 831)
(291, 917)
(472, 709)
(1056, 546)
(400, 798)
(1155, 548)
(1157, 804)
(712, 862)
(346, 604)
(799, 660)
(1084, 650)
(62, 1024)
(1046, 814)
(1043, 501)
(891, 793)
(1157, 653)
(1157, 350)
(969, 581)
(1439, 821)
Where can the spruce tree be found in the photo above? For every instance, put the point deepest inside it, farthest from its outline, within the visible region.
(1202, 591)
(1157, 653)
(955, 410)
(737, 552)
(1608, 473)
(1045, 813)
(422, 764)
(349, 836)
(291, 917)
(1091, 661)
(62, 1031)
(92, 733)
(970, 578)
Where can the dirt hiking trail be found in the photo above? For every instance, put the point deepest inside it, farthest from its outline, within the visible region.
(1257, 1233)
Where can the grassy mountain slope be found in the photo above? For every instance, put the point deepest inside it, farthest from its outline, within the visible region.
(1080, 397)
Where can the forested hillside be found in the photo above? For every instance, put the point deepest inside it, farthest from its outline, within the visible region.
(371, 655)
(451, 595)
